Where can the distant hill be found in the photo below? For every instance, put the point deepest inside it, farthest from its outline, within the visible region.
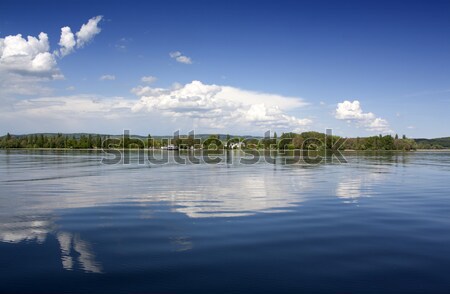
(444, 142)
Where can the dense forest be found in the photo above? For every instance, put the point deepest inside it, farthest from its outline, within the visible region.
(437, 143)
(84, 141)
(305, 140)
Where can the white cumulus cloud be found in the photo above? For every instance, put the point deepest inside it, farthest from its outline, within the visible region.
(26, 63)
(205, 107)
(352, 111)
(180, 57)
(379, 125)
(221, 106)
(27, 56)
(88, 31)
(67, 41)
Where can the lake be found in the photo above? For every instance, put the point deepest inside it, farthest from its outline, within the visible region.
(379, 223)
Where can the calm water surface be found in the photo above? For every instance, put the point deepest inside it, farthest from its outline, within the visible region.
(377, 224)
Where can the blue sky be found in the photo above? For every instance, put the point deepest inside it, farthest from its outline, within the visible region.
(358, 67)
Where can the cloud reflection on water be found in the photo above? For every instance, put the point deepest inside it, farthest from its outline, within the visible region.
(200, 191)
(74, 250)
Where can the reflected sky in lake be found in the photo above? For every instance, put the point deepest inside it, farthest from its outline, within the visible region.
(159, 221)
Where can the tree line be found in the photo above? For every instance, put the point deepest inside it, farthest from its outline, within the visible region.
(88, 141)
(289, 140)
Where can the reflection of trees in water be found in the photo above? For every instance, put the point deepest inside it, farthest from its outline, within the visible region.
(381, 157)
(74, 250)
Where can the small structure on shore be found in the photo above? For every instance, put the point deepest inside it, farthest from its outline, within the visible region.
(236, 145)
(169, 147)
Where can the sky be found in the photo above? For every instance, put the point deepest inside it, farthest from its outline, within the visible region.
(241, 67)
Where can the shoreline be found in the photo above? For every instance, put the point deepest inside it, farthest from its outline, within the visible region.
(148, 149)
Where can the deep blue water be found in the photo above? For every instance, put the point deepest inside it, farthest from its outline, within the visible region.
(379, 223)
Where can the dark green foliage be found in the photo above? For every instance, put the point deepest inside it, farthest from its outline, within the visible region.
(213, 142)
(51, 141)
(290, 140)
(380, 142)
(437, 143)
